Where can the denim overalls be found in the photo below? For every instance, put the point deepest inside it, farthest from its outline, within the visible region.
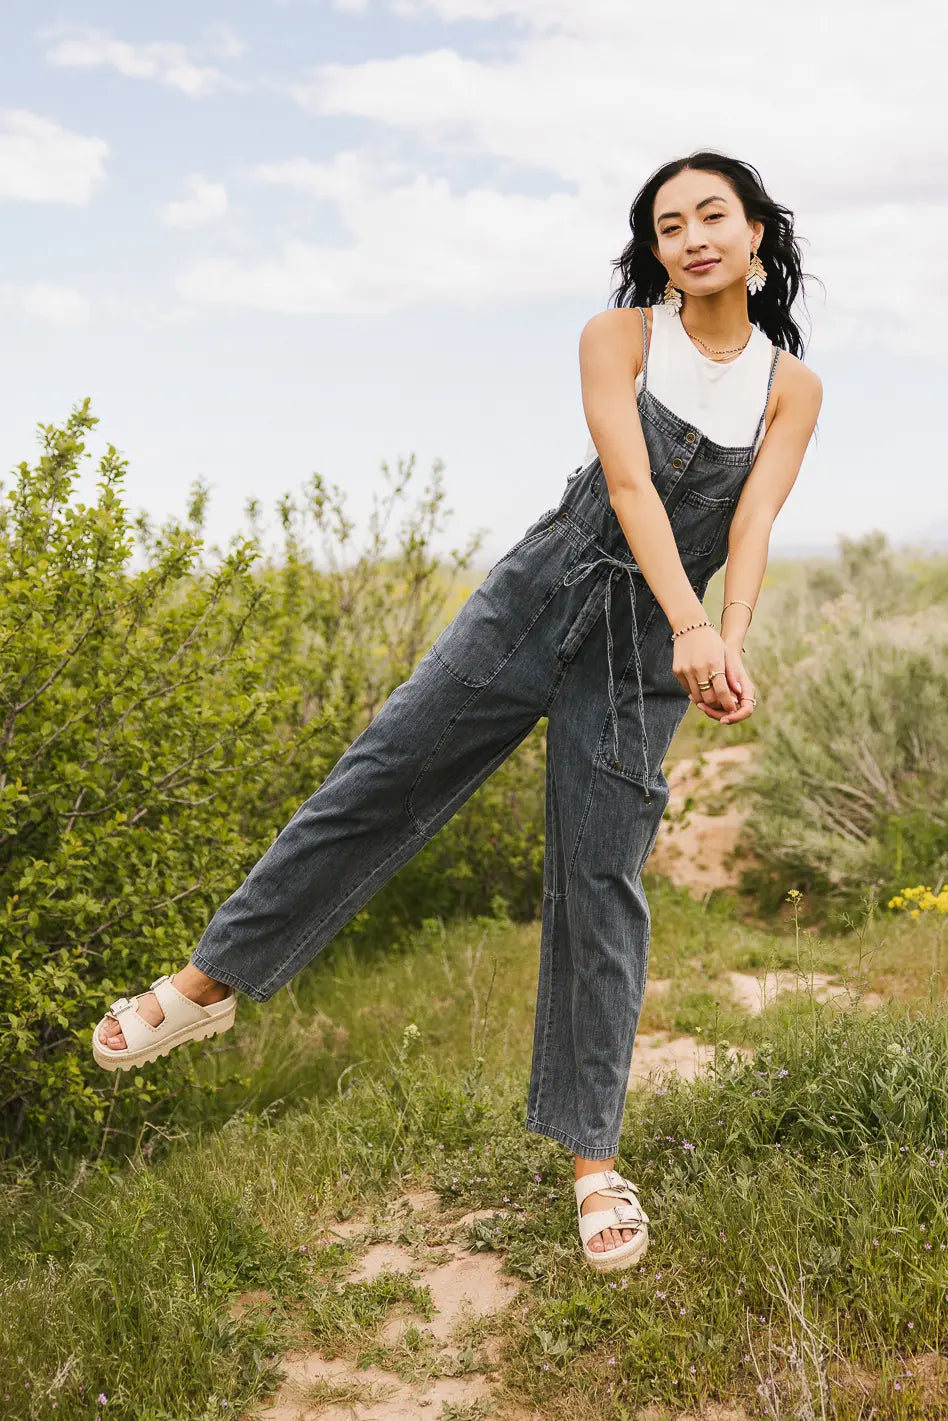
(543, 635)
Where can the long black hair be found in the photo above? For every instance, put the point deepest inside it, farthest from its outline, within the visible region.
(643, 278)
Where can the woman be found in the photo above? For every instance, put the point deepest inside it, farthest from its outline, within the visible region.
(689, 474)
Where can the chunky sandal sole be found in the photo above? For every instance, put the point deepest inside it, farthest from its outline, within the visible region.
(214, 1019)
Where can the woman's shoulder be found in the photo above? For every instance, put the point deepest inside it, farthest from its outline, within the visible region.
(616, 331)
(795, 382)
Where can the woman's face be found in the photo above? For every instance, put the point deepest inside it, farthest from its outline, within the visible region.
(699, 216)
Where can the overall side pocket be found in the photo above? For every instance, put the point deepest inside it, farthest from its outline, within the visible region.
(499, 613)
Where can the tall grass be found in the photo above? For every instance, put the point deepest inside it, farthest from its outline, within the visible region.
(797, 1195)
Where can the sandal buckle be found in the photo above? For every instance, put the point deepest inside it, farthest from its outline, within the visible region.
(117, 1007)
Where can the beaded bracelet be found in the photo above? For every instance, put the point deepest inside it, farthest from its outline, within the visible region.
(681, 631)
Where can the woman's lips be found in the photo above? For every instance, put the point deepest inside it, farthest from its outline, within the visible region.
(705, 266)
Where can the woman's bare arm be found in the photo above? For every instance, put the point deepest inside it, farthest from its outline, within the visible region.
(765, 491)
(610, 358)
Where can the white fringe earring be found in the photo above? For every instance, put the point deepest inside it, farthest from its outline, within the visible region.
(672, 300)
(756, 275)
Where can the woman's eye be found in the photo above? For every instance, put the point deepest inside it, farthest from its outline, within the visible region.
(667, 231)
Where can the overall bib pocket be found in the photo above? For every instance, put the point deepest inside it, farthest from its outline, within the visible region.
(699, 521)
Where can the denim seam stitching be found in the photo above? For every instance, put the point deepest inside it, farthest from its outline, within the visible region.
(451, 671)
(417, 822)
(565, 1138)
(571, 864)
(546, 1025)
(407, 804)
(561, 677)
(525, 542)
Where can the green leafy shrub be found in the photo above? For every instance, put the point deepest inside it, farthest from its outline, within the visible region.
(161, 724)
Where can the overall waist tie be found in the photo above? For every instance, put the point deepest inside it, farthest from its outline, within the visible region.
(576, 574)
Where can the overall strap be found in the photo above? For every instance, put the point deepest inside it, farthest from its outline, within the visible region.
(644, 348)
(773, 367)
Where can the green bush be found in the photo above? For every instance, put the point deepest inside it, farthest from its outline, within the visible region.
(849, 785)
(160, 725)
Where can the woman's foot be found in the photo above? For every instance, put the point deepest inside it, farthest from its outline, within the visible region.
(609, 1238)
(190, 982)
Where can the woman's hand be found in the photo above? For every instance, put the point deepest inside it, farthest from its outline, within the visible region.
(728, 698)
(744, 689)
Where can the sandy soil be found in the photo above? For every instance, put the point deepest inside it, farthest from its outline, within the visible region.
(697, 849)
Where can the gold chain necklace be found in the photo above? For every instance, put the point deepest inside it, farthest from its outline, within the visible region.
(735, 351)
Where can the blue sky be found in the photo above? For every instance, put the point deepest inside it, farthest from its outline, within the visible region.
(290, 236)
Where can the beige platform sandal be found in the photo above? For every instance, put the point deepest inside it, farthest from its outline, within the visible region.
(184, 1020)
(629, 1214)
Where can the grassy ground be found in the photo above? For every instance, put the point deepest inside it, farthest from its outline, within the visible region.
(797, 1198)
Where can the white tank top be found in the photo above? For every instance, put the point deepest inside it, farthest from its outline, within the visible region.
(722, 399)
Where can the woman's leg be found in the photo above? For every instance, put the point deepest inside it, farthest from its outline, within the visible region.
(430, 746)
(473, 697)
(600, 830)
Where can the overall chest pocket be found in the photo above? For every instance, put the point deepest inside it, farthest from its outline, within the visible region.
(699, 521)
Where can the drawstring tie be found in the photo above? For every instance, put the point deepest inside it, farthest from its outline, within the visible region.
(576, 574)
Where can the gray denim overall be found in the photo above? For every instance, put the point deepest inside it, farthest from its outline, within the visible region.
(530, 641)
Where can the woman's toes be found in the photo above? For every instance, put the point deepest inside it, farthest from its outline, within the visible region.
(110, 1035)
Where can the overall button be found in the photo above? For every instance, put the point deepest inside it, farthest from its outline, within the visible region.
(678, 463)
(691, 436)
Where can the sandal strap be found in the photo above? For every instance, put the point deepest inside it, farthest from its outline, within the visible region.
(621, 1217)
(604, 1181)
(179, 1011)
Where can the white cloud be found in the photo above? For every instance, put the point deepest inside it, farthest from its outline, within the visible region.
(412, 241)
(224, 42)
(207, 202)
(581, 99)
(54, 305)
(166, 62)
(40, 161)
(585, 109)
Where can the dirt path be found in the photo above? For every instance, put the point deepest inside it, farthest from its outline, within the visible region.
(697, 847)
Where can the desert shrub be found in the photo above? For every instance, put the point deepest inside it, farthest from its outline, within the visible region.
(160, 725)
(849, 785)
